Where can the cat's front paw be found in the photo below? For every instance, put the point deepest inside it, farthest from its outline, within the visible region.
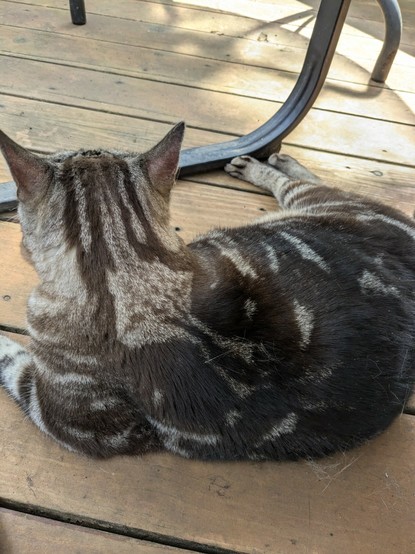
(283, 162)
(246, 168)
(291, 168)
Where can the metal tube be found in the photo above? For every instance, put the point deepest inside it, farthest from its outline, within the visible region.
(268, 137)
(78, 13)
(393, 31)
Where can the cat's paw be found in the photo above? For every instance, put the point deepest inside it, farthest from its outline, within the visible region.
(290, 167)
(247, 168)
(283, 162)
(238, 166)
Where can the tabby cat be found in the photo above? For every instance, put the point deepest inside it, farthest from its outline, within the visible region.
(290, 337)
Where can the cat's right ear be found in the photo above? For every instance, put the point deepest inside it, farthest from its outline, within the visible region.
(28, 170)
(162, 161)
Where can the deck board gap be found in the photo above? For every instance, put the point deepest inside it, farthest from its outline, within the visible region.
(88, 108)
(331, 80)
(116, 529)
(12, 329)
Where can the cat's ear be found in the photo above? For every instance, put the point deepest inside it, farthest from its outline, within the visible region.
(162, 161)
(28, 170)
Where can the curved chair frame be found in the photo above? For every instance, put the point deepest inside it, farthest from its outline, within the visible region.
(267, 138)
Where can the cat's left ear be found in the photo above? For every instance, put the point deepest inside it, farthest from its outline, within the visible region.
(28, 170)
(162, 161)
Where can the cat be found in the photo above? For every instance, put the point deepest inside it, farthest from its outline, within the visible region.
(290, 337)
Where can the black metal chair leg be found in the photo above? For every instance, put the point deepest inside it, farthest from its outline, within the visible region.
(78, 13)
(393, 23)
(267, 138)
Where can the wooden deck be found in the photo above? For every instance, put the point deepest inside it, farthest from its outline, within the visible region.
(224, 66)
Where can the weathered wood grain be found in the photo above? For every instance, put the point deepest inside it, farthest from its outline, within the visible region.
(63, 126)
(359, 502)
(260, 10)
(172, 33)
(263, 10)
(390, 183)
(239, 18)
(27, 534)
(17, 278)
(221, 69)
(45, 126)
(174, 68)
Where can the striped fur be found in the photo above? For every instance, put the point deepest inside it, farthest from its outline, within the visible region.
(290, 337)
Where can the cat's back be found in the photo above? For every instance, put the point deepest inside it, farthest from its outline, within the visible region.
(327, 303)
(317, 287)
(324, 245)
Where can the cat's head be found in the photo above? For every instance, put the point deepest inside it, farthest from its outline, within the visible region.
(87, 205)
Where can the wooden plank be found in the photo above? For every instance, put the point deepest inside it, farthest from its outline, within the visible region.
(40, 124)
(59, 126)
(362, 51)
(177, 68)
(17, 278)
(358, 27)
(359, 502)
(163, 36)
(266, 9)
(23, 339)
(26, 534)
(5, 174)
(236, 18)
(392, 184)
(291, 14)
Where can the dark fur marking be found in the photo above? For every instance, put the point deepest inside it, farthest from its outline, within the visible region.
(5, 361)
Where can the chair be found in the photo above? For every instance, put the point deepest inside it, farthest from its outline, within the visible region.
(267, 138)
